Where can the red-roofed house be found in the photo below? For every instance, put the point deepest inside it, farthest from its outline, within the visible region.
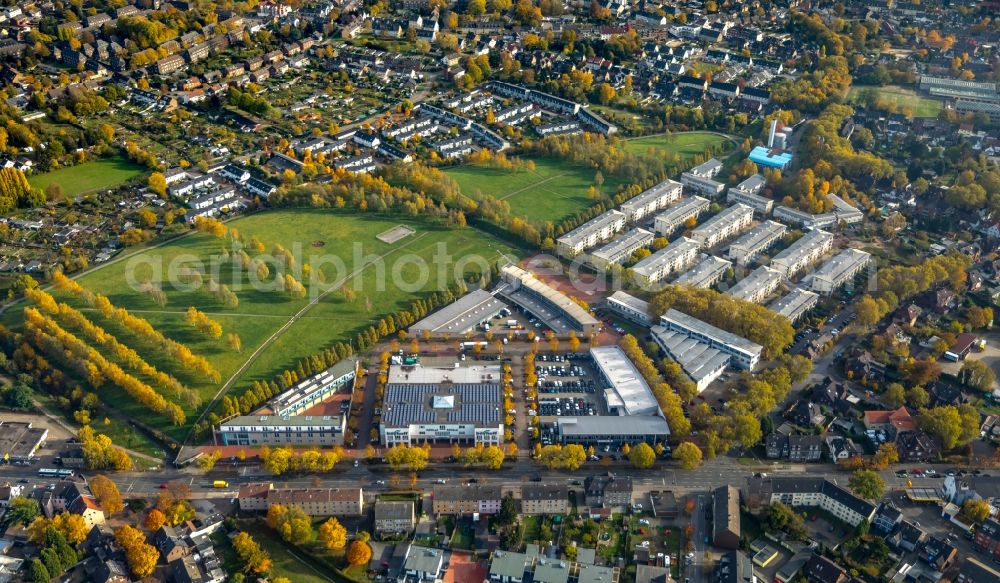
(899, 420)
(89, 508)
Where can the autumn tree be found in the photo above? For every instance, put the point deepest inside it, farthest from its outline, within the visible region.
(141, 556)
(333, 535)
(155, 519)
(867, 484)
(254, 558)
(157, 182)
(106, 492)
(642, 456)
(688, 455)
(358, 553)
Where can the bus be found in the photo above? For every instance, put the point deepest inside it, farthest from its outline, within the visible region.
(54, 473)
(220, 484)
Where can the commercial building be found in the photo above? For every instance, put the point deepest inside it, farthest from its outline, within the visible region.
(699, 360)
(960, 89)
(675, 257)
(805, 491)
(468, 499)
(320, 501)
(802, 253)
(595, 231)
(442, 405)
(745, 354)
(254, 430)
(705, 274)
(462, 315)
(674, 217)
(394, 517)
(839, 270)
(626, 392)
(544, 499)
(646, 203)
(612, 430)
(552, 307)
(757, 286)
(316, 389)
(772, 158)
(699, 178)
(751, 187)
(19, 441)
(728, 223)
(619, 250)
(629, 307)
(745, 249)
(794, 304)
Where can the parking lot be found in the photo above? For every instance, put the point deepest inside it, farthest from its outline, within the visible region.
(567, 387)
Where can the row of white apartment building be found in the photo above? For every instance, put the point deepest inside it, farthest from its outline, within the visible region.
(700, 178)
(700, 361)
(729, 222)
(544, 100)
(802, 253)
(675, 257)
(597, 230)
(794, 304)
(843, 212)
(839, 270)
(676, 216)
(629, 307)
(707, 273)
(755, 287)
(621, 249)
(748, 193)
(745, 354)
(745, 249)
(648, 202)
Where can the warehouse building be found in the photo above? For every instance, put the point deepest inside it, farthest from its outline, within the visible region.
(746, 354)
(673, 258)
(442, 405)
(19, 441)
(595, 231)
(646, 203)
(626, 392)
(558, 312)
(674, 218)
(621, 249)
(700, 178)
(794, 304)
(748, 193)
(757, 286)
(601, 430)
(629, 307)
(728, 223)
(462, 315)
(707, 273)
(745, 249)
(802, 253)
(839, 270)
(316, 389)
(699, 360)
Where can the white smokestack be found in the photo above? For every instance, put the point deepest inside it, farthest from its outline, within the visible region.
(770, 138)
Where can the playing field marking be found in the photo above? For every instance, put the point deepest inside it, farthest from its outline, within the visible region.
(395, 234)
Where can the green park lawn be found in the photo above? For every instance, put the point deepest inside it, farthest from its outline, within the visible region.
(685, 145)
(553, 191)
(90, 176)
(284, 563)
(321, 237)
(903, 97)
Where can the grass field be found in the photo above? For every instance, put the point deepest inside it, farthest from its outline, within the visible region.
(284, 563)
(902, 97)
(89, 176)
(320, 238)
(552, 192)
(685, 144)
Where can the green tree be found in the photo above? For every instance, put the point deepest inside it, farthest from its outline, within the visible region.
(976, 510)
(642, 456)
(38, 572)
(867, 484)
(977, 375)
(895, 395)
(688, 455)
(22, 510)
(508, 510)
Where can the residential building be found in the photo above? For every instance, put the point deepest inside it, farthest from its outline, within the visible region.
(796, 448)
(549, 499)
(805, 491)
(700, 178)
(320, 501)
(629, 307)
(595, 231)
(89, 509)
(728, 223)
(394, 517)
(746, 249)
(726, 517)
(442, 405)
(253, 496)
(466, 500)
(422, 564)
(794, 304)
(839, 270)
(608, 490)
(745, 354)
(650, 201)
(678, 215)
(802, 253)
(675, 257)
(699, 360)
(705, 274)
(757, 286)
(621, 249)
(820, 569)
(748, 193)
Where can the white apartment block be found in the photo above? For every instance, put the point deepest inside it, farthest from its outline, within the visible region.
(595, 231)
(705, 274)
(674, 217)
(700, 178)
(794, 304)
(745, 354)
(745, 249)
(839, 270)
(802, 253)
(673, 258)
(728, 223)
(757, 286)
(619, 250)
(629, 307)
(801, 492)
(748, 193)
(646, 203)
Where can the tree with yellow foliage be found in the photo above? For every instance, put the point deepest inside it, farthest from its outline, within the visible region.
(155, 519)
(358, 553)
(254, 558)
(141, 556)
(333, 535)
(106, 492)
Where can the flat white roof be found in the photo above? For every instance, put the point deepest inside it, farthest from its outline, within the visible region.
(762, 277)
(722, 221)
(597, 223)
(579, 427)
(629, 390)
(679, 248)
(435, 375)
(709, 331)
(462, 314)
(703, 274)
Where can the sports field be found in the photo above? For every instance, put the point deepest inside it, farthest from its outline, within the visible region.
(90, 176)
(922, 106)
(684, 145)
(340, 244)
(553, 191)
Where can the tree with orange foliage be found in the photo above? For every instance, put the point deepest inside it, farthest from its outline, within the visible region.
(155, 519)
(358, 553)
